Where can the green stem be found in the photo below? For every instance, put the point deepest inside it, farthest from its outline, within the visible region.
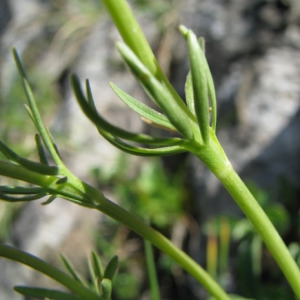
(132, 34)
(43, 267)
(215, 159)
(153, 282)
(84, 194)
(157, 239)
(15, 171)
(240, 193)
(135, 39)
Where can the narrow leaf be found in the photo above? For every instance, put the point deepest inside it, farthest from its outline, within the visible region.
(42, 293)
(90, 98)
(21, 190)
(94, 271)
(200, 88)
(172, 106)
(19, 198)
(97, 266)
(189, 94)
(49, 270)
(153, 281)
(211, 87)
(72, 270)
(41, 150)
(19, 64)
(212, 97)
(111, 268)
(140, 151)
(49, 200)
(142, 109)
(99, 121)
(34, 112)
(28, 164)
(62, 180)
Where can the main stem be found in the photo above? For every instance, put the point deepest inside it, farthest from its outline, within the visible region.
(253, 211)
(215, 159)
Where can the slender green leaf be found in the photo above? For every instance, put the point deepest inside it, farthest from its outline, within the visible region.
(256, 254)
(42, 293)
(41, 150)
(189, 94)
(153, 281)
(90, 98)
(62, 180)
(211, 87)
(28, 164)
(97, 266)
(21, 190)
(99, 121)
(95, 269)
(199, 80)
(50, 200)
(111, 268)
(173, 107)
(140, 151)
(19, 64)
(10, 198)
(34, 112)
(47, 269)
(142, 109)
(212, 96)
(30, 114)
(68, 265)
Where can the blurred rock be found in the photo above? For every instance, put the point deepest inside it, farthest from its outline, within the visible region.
(5, 15)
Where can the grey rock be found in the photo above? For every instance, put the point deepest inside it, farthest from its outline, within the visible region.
(5, 15)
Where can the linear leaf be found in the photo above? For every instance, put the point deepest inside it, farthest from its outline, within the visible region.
(9, 198)
(140, 151)
(42, 293)
(171, 104)
(189, 94)
(21, 190)
(211, 87)
(41, 150)
(142, 109)
(100, 122)
(97, 266)
(111, 268)
(49, 270)
(28, 164)
(199, 81)
(72, 270)
(212, 96)
(34, 112)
